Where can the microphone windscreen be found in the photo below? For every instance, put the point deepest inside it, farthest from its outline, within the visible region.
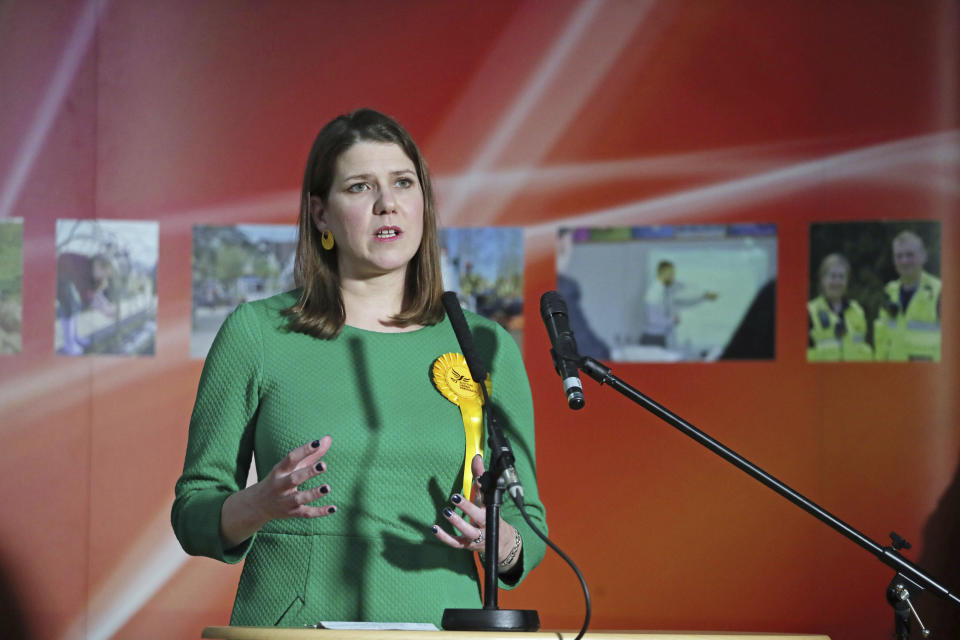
(460, 328)
(552, 302)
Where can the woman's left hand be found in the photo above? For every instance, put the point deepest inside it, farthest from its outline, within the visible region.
(472, 531)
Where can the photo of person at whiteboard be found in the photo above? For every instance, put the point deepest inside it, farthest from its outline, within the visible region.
(663, 301)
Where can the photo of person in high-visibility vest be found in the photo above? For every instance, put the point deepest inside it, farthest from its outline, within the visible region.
(837, 325)
(908, 322)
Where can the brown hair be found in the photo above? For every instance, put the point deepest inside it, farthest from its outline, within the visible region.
(319, 311)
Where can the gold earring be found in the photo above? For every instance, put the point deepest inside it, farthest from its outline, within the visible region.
(326, 240)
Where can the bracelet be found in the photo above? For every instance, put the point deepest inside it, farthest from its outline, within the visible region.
(517, 541)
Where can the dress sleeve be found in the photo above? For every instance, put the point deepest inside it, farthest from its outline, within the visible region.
(220, 442)
(514, 406)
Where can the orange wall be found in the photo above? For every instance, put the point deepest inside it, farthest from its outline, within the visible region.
(789, 112)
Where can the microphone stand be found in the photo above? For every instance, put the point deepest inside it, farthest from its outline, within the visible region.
(491, 617)
(909, 579)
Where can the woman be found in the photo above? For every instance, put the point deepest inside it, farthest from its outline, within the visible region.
(837, 325)
(349, 355)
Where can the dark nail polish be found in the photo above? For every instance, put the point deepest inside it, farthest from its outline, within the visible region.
(435, 528)
(332, 510)
(319, 466)
(324, 489)
(456, 498)
(447, 512)
(315, 444)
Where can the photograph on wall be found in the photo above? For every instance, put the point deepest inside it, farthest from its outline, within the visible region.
(106, 300)
(692, 293)
(874, 292)
(484, 267)
(234, 264)
(11, 285)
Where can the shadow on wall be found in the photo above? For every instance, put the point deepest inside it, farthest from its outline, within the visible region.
(941, 559)
(13, 617)
(755, 337)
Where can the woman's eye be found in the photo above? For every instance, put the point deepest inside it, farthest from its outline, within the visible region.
(405, 183)
(357, 187)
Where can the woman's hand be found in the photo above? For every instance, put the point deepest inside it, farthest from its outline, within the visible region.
(472, 531)
(277, 495)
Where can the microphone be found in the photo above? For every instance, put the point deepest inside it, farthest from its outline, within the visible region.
(465, 339)
(498, 443)
(566, 359)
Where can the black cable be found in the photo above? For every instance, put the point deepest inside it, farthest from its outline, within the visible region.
(583, 583)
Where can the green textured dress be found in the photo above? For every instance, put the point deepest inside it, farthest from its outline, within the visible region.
(397, 456)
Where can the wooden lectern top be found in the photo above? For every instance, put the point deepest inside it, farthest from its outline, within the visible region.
(288, 633)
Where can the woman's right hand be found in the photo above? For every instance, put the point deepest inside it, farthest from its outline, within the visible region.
(277, 495)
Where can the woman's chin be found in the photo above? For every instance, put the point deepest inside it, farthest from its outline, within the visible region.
(376, 269)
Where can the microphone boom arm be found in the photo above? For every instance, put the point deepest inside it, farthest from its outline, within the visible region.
(909, 572)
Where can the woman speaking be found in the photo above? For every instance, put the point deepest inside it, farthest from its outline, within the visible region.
(329, 388)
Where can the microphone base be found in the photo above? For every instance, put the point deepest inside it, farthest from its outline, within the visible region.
(490, 620)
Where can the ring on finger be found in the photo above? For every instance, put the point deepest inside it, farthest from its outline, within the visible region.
(478, 539)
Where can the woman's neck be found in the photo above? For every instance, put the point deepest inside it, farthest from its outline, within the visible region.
(369, 303)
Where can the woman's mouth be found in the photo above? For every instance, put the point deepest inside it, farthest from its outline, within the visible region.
(387, 233)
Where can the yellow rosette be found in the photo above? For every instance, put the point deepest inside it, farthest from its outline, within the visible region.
(451, 375)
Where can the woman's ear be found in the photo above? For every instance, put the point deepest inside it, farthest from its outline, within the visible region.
(317, 213)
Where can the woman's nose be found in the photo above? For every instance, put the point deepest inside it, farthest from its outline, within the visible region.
(387, 202)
